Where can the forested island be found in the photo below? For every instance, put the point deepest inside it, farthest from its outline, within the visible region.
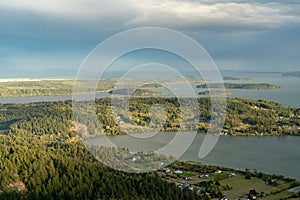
(247, 86)
(232, 78)
(42, 156)
(213, 92)
(136, 92)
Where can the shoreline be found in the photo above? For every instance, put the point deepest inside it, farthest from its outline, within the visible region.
(9, 80)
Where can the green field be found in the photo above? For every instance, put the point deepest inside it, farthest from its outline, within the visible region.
(241, 186)
(233, 184)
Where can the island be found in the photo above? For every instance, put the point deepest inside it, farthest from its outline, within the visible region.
(137, 92)
(232, 78)
(246, 86)
(152, 85)
(23, 87)
(214, 92)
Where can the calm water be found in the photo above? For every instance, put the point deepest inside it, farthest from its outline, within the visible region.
(288, 95)
(280, 155)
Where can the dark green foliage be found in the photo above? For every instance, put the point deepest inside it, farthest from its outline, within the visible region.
(243, 117)
(252, 194)
(251, 117)
(211, 188)
(40, 149)
(42, 152)
(189, 166)
(67, 171)
(248, 176)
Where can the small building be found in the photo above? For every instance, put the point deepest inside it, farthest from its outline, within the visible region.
(166, 170)
(178, 172)
(133, 159)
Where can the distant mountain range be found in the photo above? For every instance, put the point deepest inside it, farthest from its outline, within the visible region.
(293, 73)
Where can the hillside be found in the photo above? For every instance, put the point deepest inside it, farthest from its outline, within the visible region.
(42, 156)
(243, 117)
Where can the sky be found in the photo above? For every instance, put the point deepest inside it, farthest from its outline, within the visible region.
(52, 38)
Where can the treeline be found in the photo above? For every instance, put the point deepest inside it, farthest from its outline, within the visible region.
(243, 117)
(33, 167)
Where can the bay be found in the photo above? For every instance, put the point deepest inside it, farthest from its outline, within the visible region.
(268, 154)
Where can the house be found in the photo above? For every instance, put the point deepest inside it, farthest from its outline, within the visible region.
(178, 172)
(166, 170)
(180, 186)
(133, 159)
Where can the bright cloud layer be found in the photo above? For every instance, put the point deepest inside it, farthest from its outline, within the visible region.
(197, 14)
(248, 15)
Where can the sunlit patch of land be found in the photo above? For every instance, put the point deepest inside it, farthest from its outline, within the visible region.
(21, 87)
(232, 183)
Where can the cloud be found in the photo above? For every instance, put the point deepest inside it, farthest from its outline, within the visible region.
(79, 10)
(201, 14)
(220, 15)
(57, 33)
